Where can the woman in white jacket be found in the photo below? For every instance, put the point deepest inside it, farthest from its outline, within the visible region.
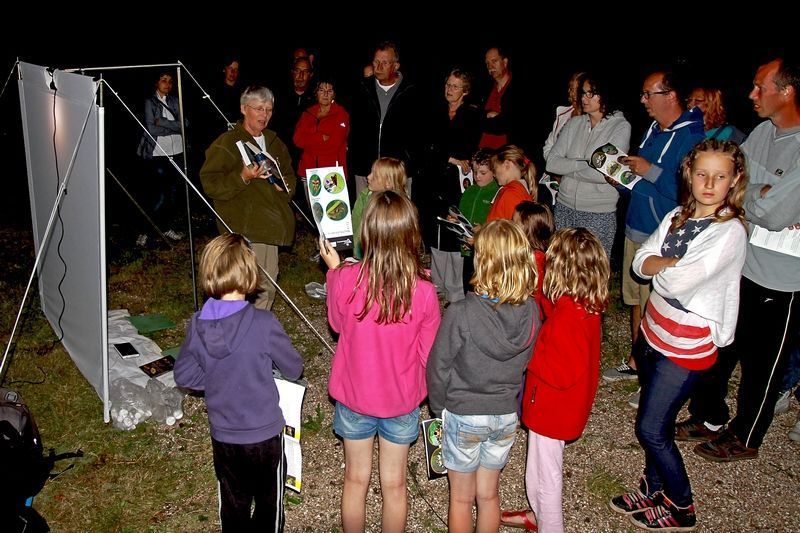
(584, 198)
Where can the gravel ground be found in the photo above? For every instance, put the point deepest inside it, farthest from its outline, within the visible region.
(758, 495)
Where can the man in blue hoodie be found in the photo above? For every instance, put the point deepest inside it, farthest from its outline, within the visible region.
(669, 138)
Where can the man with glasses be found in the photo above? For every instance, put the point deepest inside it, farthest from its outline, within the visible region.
(245, 196)
(673, 132)
(385, 119)
(298, 97)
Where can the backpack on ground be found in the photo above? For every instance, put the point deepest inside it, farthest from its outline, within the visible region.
(24, 468)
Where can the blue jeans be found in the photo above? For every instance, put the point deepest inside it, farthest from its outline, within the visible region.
(792, 375)
(665, 388)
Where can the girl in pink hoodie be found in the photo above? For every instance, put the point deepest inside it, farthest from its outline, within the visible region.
(386, 312)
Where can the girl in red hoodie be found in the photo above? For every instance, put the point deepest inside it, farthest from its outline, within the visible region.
(563, 372)
(537, 222)
(516, 175)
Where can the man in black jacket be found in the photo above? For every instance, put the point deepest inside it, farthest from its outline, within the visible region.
(384, 119)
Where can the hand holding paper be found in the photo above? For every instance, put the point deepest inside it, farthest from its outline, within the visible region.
(611, 162)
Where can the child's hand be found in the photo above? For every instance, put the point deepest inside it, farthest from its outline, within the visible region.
(327, 253)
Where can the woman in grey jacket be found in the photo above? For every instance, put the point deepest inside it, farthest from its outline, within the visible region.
(584, 198)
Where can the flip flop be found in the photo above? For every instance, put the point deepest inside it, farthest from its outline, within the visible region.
(526, 523)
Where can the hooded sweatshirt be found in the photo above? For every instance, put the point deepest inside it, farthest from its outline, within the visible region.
(658, 193)
(582, 187)
(563, 372)
(229, 352)
(479, 356)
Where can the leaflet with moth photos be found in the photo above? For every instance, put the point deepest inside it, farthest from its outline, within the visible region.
(432, 437)
(330, 205)
(606, 159)
(457, 223)
(291, 395)
(253, 154)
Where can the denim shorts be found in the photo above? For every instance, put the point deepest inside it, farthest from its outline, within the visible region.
(471, 441)
(403, 429)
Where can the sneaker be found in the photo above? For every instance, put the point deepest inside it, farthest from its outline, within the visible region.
(725, 448)
(174, 235)
(666, 517)
(794, 434)
(623, 371)
(141, 240)
(695, 431)
(633, 502)
(782, 405)
(633, 399)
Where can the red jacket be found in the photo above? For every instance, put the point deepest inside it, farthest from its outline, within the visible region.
(308, 138)
(507, 199)
(563, 373)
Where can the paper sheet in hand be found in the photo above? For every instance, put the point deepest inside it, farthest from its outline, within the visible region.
(606, 159)
(786, 241)
(465, 180)
(330, 205)
(291, 403)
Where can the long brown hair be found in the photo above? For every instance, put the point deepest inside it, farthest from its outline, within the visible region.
(576, 265)
(391, 240)
(537, 222)
(732, 205)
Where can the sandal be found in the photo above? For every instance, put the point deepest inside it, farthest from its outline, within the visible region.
(506, 518)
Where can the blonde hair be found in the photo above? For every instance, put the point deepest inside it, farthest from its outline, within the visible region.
(228, 264)
(390, 239)
(391, 172)
(577, 266)
(537, 222)
(732, 205)
(526, 167)
(504, 266)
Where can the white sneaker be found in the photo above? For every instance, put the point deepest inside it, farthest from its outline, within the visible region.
(633, 399)
(141, 240)
(174, 235)
(794, 434)
(623, 371)
(782, 404)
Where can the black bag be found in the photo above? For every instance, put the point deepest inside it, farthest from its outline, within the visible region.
(24, 468)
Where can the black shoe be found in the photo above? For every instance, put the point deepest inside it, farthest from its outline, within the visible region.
(695, 431)
(666, 517)
(635, 501)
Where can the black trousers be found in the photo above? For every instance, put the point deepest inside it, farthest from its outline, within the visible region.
(247, 474)
(767, 324)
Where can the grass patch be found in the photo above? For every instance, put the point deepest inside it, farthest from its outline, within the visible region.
(154, 478)
(603, 486)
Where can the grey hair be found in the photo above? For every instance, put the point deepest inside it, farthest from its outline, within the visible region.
(257, 92)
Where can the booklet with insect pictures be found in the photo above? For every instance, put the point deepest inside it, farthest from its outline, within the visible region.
(606, 159)
(432, 432)
(457, 223)
(330, 204)
(291, 395)
(254, 155)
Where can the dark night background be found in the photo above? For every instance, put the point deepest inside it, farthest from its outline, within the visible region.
(542, 61)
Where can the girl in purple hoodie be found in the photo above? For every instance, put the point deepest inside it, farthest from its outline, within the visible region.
(229, 352)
